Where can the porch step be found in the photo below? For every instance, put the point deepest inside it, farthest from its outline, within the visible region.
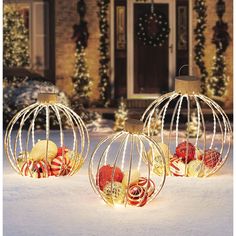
(138, 103)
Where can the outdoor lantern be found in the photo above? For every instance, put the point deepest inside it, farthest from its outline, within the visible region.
(41, 153)
(120, 169)
(197, 155)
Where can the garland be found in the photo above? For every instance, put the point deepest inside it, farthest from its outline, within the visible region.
(218, 81)
(104, 85)
(200, 8)
(153, 29)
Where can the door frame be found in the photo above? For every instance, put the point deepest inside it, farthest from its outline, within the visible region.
(130, 49)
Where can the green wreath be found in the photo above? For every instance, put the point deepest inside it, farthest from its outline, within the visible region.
(153, 29)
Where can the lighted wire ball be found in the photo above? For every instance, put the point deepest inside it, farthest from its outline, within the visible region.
(40, 153)
(200, 153)
(120, 169)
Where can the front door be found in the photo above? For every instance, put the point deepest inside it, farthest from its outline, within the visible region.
(150, 68)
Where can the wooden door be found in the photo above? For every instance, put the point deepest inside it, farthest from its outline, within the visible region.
(150, 69)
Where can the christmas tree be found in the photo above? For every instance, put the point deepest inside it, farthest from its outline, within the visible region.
(121, 115)
(81, 79)
(15, 39)
(193, 128)
(217, 83)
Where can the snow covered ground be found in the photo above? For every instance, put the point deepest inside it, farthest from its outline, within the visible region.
(68, 206)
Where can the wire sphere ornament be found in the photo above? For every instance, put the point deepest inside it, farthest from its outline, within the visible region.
(43, 153)
(187, 155)
(120, 168)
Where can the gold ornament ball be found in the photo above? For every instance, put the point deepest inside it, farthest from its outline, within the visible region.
(114, 193)
(39, 151)
(157, 161)
(195, 168)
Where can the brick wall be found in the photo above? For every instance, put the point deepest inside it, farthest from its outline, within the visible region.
(210, 48)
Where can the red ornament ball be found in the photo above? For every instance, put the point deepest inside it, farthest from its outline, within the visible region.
(60, 150)
(210, 158)
(181, 151)
(105, 175)
(137, 196)
(147, 184)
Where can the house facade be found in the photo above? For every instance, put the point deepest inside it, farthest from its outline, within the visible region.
(137, 73)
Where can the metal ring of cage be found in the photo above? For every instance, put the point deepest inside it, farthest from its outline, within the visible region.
(157, 110)
(114, 169)
(18, 148)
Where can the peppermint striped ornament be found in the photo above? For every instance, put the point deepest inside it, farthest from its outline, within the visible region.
(61, 166)
(147, 184)
(177, 167)
(137, 196)
(26, 169)
(41, 169)
(36, 169)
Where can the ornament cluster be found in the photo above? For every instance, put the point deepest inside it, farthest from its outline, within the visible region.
(118, 187)
(46, 159)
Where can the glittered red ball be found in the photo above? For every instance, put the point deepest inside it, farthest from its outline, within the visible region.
(105, 175)
(185, 150)
(210, 158)
(137, 196)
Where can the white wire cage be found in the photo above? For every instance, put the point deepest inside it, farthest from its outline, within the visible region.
(40, 153)
(187, 155)
(120, 169)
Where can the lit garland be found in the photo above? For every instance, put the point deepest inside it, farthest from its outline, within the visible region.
(200, 8)
(218, 81)
(15, 39)
(104, 85)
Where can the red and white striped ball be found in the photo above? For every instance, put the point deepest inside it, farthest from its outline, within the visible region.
(27, 168)
(177, 167)
(36, 169)
(137, 196)
(210, 158)
(61, 166)
(147, 184)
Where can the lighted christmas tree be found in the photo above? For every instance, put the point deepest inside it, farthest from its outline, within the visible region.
(15, 39)
(121, 115)
(81, 79)
(217, 83)
(193, 127)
